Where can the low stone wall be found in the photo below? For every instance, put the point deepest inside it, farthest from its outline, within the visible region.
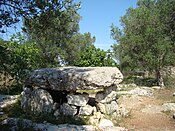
(169, 70)
(55, 91)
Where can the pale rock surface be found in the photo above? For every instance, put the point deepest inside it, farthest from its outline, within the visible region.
(119, 93)
(101, 107)
(108, 90)
(174, 116)
(27, 90)
(111, 108)
(45, 126)
(102, 97)
(95, 119)
(57, 113)
(113, 128)
(86, 110)
(68, 110)
(39, 101)
(174, 94)
(156, 87)
(142, 91)
(123, 86)
(122, 112)
(78, 100)
(7, 100)
(110, 97)
(168, 107)
(169, 70)
(105, 123)
(73, 78)
(56, 106)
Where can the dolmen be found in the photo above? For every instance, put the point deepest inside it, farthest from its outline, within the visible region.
(69, 90)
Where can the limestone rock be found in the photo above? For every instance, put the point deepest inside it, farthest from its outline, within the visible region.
(122, 112)
(125, 86)
(13, 123)
(86, 110)
(143, 91)
(7, 100)
(168, 107)
(78, 100)
(39, 101)
(110, 97)
(57, 113)
(27, 90)
(105, 123)
(168, 71)
(102, 108)
(55, 106)
(108, 90)
(68, 110)
(174, 94)
(111, 108)
(95, 119)
(73, 78)
(102, 97)
(156, 87)
(113, 128)
(174, 116)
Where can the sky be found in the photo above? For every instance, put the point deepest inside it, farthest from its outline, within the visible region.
(98, 16)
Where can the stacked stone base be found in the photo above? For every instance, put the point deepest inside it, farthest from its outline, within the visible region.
(42, 101)
(55, 91)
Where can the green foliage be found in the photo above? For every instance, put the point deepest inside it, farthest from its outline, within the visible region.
(146, 41)
(19, 58)
(92, 56)
(11, 90)
(50, 24)
(52, 30)
(12, 11)
(76, 45)
(169, 81)
(140, 81)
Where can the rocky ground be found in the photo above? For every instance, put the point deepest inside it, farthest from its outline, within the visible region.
(149, 113)
(147, 109)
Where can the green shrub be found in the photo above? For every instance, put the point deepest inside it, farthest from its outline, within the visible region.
(169, 81)
(140, 81)
(11, 90)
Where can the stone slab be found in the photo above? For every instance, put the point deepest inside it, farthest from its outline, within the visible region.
(74, 78)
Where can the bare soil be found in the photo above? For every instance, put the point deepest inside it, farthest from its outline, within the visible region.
(151, 120)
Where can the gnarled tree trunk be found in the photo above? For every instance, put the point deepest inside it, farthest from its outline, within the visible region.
(159, 78)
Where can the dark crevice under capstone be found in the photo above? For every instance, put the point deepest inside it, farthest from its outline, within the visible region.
(78, 110)
(58, 96)
(92, 101)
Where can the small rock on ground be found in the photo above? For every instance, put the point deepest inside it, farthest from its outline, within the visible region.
(174, 115)
(142, 91)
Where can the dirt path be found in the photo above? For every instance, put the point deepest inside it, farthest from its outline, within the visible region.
(145, 114)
